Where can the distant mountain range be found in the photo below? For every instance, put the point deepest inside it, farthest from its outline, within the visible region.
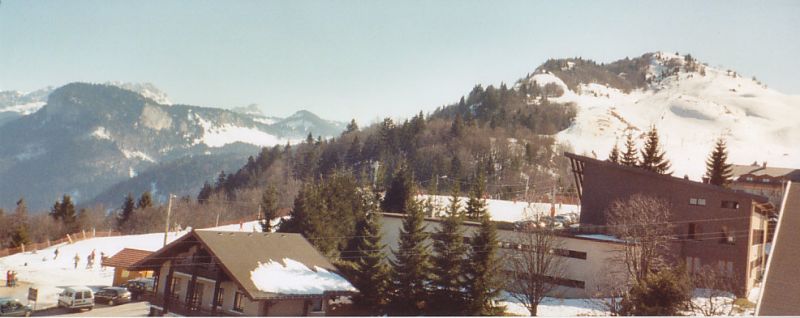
(84, 139)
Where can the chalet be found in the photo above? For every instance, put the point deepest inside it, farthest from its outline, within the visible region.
(123, 264)
(714, 226)
(589, 269)
(211, 273)
(780, 292)
(763, 180)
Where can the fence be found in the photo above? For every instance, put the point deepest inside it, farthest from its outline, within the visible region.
(73, 237)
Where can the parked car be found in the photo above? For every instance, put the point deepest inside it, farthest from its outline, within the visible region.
(113, 295)
(139, 286)
(12, 307)
(76, 297)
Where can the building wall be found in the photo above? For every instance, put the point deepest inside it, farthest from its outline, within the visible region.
(604, 184)
(598, 271)
(123, 275)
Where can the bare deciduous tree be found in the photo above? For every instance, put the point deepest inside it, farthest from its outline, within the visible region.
(714, 292)
(643, 222)
(537, 266)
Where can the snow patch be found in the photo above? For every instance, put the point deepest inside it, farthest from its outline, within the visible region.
(217, 136)
(135, 154)
(296, 278)
(101, 133)
(508, 211)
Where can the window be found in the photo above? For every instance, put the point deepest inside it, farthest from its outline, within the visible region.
(692, 235)
(730, 204)
(570, 253)
(175, 287)
(697, 201)
(220, 296)
(316, 304)
(727, 236)
(765, 180)
(749, 178)
(758, 237)
(238, 302)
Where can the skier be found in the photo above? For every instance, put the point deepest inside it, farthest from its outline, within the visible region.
(77, 259)
(56, 254)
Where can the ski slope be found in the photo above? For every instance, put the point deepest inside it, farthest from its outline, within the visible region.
(690, 111)
(508, 211)
(50, 274)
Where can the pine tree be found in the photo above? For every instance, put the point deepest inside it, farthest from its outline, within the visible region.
(269, 206)
(68, 215)
(614, 155)
(482, 271)
(205, 193)
(19, 234)
(476, 204)
(630, 157)
(400, 191)
(411, 271)
(351, 127)
(145, 201)
(371, 272)
(652, 155)
(718, 171)
(127, 210)
(450, 252)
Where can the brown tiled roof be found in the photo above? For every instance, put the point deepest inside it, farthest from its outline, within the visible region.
(780, 295)
(239, 253)
(126, 258)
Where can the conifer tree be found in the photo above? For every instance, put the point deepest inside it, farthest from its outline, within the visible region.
(68, 215)
(205, 193)
(718, 170)
(371, 272)
(19, 234)
(450, 252)
(476, 204)
(482, 271)
(145, 201)
(411, 271)
(351, 127)
(127, 210)
(269, 206)
(400, 191)
(652, 155)
(630, 157)
(614, 155)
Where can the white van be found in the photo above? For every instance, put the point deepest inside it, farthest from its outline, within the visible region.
(76, 297)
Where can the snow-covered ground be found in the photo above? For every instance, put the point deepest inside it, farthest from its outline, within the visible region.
(292, 277)
(690, 111)
(49, 275)
(509, 211)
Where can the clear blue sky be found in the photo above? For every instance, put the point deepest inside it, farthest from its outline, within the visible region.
(369, 59)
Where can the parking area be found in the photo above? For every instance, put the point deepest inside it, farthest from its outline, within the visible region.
(134, 309)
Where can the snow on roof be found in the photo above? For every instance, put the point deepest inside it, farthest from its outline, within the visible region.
(508, 211)
(295, 278)
(601, 237)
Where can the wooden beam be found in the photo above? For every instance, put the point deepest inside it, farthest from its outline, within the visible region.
(217, 284)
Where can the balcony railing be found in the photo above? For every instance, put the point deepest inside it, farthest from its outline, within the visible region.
(180, 307)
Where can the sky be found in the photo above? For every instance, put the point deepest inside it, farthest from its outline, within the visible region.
(371, 59)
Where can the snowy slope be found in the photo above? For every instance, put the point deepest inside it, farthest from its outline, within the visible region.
(49, 275)
(690, 111)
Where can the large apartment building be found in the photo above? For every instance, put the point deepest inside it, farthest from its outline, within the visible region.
(713, 226)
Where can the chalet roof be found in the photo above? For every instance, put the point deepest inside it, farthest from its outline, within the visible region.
(240, 253)
(756, 170)
(578, 174)
(780, 291)
(126, 258)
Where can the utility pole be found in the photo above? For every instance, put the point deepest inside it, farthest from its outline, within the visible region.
(166, 224)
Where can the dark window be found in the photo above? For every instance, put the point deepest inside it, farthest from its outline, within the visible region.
(570, 253)
(727, 237)
(730, 204)
(758, 237)
(238, 302)
(692, 231)
(220, 296)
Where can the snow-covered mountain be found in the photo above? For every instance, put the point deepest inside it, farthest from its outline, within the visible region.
(691, 105)
(88, 137)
